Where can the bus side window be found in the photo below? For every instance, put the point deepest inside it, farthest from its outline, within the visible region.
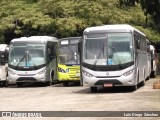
(137, 41)
(51, 51)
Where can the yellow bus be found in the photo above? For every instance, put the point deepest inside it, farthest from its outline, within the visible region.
(69, 61)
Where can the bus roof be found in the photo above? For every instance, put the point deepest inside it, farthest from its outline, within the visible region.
(36, 38)
(111, 28)
(69, 38)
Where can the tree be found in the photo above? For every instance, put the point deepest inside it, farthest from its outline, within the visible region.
(128, 2)
(152, 8)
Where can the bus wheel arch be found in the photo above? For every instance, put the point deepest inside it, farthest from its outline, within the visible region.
(135, 87)
(52, 75)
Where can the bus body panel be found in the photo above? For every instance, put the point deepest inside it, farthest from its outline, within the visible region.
(142, 61)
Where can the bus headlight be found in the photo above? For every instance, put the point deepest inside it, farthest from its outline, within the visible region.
(87, 74)
(42, 71)
(11, 72)
(129, 72)
(61, 70)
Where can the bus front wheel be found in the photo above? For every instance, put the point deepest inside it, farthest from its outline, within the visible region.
(5, 83)
(93, 89)
(134, 88)
(19, 84)
(48, 83)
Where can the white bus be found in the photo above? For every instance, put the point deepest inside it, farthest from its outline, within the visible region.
(33, 59)
(148, 71)
(113, 55)
(153, 61)
(3, 64)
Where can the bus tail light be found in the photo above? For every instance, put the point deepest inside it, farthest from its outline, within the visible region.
(128, 72)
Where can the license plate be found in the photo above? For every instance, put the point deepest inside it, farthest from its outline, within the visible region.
(108, 85)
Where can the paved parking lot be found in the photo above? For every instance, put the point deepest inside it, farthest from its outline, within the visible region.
(78, 98)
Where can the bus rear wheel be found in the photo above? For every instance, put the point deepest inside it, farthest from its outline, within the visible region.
(153, 74)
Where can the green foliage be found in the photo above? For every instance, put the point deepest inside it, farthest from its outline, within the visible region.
(64, 18)
(128, 2)
(152, 8)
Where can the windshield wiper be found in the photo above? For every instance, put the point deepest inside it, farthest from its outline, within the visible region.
(26, 55)
(20, 61)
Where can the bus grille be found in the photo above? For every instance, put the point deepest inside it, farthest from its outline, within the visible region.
(113, 81)
(31, 79)
(74, 71)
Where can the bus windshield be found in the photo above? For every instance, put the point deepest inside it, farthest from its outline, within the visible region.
(69, 54)
(27, 54)
(108, 49)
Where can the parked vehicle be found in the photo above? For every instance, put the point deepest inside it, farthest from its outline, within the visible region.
(153, 61)
(33, 59)
(3, 64)
(69, 61)
(113, 55)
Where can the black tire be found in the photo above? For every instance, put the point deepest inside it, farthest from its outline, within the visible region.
(77, 83)
(93, 89)
(134, 88)
(65, 83)
(5, 83)
(148, 78)
(154, 74)
(19, 84)
(143, 82)
(48, 83)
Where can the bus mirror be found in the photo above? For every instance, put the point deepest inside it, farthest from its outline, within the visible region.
(80, 45)
(3, 58)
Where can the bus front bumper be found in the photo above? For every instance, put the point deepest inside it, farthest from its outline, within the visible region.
(114, 81)
(14, 77)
